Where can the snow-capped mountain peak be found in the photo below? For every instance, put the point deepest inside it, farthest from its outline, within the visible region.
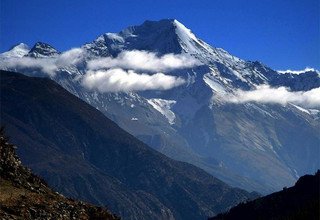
(188, 40)
(153, 36)
(17, 51)
(166, 36)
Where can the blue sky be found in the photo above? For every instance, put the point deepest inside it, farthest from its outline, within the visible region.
(282, 34)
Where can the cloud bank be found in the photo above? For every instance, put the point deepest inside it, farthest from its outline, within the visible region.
(281, 95)
(296, 71)
(145, 61)
(119, 80)
(122, 73)
(47, 65)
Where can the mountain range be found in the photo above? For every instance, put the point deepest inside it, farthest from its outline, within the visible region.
(217, 114)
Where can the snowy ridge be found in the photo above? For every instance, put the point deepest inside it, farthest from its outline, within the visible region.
(188, 40)
(307, 69)
(215, 57)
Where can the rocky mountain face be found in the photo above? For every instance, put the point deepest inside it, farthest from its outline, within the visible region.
(253, 145)
(297, 82)
(24, 195)
(42, 50)
(84, 155)
(298, 202)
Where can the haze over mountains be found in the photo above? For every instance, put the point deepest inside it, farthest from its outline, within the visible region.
(191, 101)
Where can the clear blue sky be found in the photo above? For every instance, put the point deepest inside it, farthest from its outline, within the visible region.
(280, 33)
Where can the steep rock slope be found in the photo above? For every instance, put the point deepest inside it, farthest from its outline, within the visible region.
(24, 195)
(83, 154)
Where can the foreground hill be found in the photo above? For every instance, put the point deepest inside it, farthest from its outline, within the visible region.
(84, 155)
(298, 202)
(23, 195)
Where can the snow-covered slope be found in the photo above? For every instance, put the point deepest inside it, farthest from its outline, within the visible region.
(17, 51)
(256, 146)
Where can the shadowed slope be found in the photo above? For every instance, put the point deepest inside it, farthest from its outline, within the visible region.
(85, 155)
(298, 202)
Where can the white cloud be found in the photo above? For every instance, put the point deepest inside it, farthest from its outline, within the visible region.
(108, 74)
(146, 61)
(281, 95)
(119, 80)
(48, 65)
(70, 57)
(45, 65)
(297, 71)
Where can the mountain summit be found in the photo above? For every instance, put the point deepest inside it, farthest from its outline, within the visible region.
(155, 36)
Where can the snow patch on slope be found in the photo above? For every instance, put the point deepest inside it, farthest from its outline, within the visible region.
(164, 106)
(301, 109)
(115, 37)
(313, 112)
(213, 83)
